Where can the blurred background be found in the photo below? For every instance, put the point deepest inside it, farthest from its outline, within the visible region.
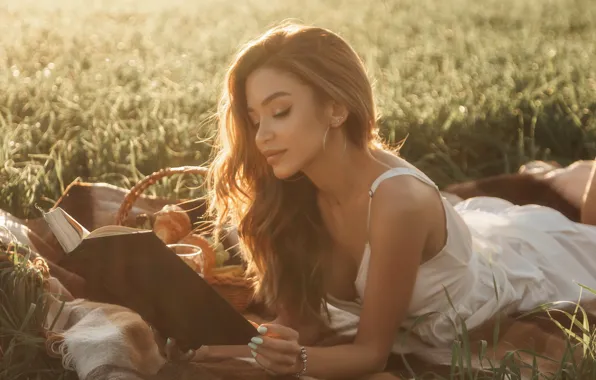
(112, 90)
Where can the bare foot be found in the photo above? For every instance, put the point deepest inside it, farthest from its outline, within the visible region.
(538, 166)
(571, 181)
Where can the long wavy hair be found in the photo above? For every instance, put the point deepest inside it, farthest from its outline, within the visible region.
(282, 236)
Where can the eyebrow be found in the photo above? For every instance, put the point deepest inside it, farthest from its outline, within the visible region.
(270, 98)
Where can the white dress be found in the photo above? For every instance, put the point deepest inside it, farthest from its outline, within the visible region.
(533, 253)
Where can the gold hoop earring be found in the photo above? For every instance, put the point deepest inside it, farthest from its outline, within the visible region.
(325, 138)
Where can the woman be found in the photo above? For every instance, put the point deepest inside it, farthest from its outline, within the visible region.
(325, 214)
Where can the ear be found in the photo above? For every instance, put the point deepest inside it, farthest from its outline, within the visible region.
(338, 114)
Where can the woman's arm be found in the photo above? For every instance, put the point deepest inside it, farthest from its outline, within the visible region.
(399, 232)
(309, 335)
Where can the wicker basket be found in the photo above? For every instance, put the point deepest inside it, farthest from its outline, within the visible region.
(237, 290)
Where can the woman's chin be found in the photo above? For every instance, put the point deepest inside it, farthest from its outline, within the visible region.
(284, 173)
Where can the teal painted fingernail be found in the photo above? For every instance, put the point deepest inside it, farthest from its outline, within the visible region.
(257, 340)
(168, 341)
(262, 329)
(252, 345)
(254, 354)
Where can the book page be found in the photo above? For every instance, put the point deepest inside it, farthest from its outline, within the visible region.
(68, 231)
(71, 233)
(113, 230)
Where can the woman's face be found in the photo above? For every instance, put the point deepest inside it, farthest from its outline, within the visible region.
(290, 125)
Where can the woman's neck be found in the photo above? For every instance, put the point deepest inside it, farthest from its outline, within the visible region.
(345, 176)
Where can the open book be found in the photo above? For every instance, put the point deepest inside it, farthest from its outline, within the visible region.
(71, 233)
(135, 269)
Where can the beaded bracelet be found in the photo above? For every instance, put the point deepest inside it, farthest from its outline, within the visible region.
(304, 358)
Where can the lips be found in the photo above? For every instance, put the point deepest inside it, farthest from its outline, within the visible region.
(273, 156)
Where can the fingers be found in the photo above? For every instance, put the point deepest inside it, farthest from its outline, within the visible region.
(173, 352)
(169, 349)
(277, 349)
(256, 325)
(275, 358)
(201, 354)
(273, 362)
(275, 344)
(187, 356)
(278, 331)
(160, 341)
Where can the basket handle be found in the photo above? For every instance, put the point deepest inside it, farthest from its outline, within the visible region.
(149, 180)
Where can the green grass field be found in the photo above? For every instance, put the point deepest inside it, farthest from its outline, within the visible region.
(113, 90)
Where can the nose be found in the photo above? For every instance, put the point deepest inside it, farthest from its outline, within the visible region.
(264, 134)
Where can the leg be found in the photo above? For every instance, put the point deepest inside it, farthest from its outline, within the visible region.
(588, 209)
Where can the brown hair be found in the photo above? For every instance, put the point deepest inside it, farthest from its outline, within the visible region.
(282, 235)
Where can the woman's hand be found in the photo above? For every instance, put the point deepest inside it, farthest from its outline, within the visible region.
(170, 350)
(277, 349)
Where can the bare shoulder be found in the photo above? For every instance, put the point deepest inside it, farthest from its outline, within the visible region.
(406, 194)
(408, 213)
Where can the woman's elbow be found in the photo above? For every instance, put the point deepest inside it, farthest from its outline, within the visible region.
(380, 363)
(378, 360)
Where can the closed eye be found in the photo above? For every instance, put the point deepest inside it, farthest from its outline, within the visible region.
(283, 113)
(279, 115)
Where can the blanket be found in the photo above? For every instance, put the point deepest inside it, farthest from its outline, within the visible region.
(102, 341)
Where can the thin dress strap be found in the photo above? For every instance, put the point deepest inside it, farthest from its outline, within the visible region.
(393, 172)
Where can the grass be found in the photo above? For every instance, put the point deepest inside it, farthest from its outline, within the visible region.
(113, 90)
(24, 309)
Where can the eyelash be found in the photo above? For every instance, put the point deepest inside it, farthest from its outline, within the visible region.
(283, 113)
(279, 115)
